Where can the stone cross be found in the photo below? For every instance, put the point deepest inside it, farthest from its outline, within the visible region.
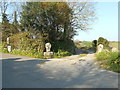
(99, 48)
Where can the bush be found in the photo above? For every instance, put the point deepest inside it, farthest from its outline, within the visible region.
(61, 53)
(113, 60)
(24, 44)
(24, 41)
(31, 53)
(104, 42)
(3, 48)
(64, 45)
(112, 67)
(8, 29)
(104, 55)
(94, 43)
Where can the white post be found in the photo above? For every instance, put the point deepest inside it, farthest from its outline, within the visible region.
(8, 40)
(9, 48)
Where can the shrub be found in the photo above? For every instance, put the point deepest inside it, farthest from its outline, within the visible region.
(63, 45)
(94, 43)
(3, 48)
(104, 42)
(104, 55)
(24, 41)
(61, 53)
(113, 60)
(114, 65)
(8, 29)
(24, 44)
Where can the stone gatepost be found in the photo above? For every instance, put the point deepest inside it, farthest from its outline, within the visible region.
(114, 49)
(8, 44)
(48, 53)
(99, 48)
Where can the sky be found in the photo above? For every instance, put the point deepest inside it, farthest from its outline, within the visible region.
(106, 24)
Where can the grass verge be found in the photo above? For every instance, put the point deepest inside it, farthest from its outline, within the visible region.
(110, 60)
(33, 53)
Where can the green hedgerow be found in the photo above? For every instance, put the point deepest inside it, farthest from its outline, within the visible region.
(64, 45)
(24, 41)
(3, 48)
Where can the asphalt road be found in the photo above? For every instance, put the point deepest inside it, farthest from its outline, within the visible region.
(26, 72)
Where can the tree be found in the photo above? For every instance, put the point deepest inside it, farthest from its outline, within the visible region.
(50, 18)
(4, 18)
(60, 20)
(83, 15)
(15, 22)
(94, 43)
(4, 6)
(16, 11)
(9, 26)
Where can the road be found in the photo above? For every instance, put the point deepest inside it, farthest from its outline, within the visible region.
(70, 72)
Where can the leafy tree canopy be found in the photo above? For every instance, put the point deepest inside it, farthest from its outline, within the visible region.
(58, 20)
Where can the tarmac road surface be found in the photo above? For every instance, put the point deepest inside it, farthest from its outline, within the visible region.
(26, 72)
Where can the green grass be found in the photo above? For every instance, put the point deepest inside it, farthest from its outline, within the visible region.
(30, 53)
(111, 60)
(84, 45)
(102, 56)
(61, 53)
(115, 44)
(33, 53)
(82, 55)
(87, 44)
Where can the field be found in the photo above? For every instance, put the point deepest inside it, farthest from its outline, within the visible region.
(88, 44)
(115, 44)
(83, 44)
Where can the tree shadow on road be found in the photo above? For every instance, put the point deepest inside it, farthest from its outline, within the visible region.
(15, 72)
(83, 51)
(28, 74)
